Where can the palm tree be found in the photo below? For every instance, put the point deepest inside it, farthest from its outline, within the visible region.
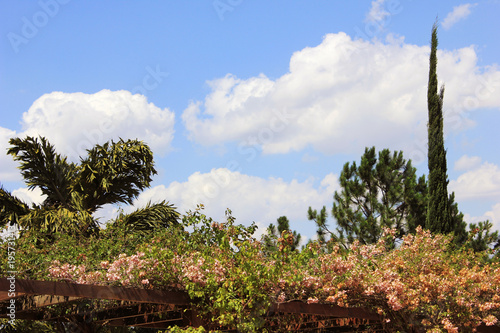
(115, 172)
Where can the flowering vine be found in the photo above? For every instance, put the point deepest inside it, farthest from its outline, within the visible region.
(424, 283)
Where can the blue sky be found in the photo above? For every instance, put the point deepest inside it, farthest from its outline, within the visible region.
(254, 105)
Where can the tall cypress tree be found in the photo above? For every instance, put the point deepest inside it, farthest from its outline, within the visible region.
(438, 212)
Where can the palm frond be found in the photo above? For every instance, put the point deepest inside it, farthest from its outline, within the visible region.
(42, 167)
(50, 220)
(11, 208)
(115, 172)
(149, 218)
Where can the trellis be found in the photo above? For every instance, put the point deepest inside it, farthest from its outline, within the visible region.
(153, 308)
(90, 305)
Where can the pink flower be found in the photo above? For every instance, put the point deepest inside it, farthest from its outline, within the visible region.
(312, 300)
(490, 320)
(449, 326)
(331, 299)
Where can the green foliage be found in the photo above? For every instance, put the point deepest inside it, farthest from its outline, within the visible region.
(438, 212)
(115, 172)
(282, 230)
(20, 325)
(185, 330)
(49, 220)
(457, 221)
(443, 215)
(42, 167)
(322, 231)
(481, 237)
(232, 292)
(11, 208)
(220, 265)
(379, 193)
(320, 221)
(35, 252)
(425, 282)
(152, 217)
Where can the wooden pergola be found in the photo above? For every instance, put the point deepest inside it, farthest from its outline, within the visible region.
(89, 305)
(117, 306)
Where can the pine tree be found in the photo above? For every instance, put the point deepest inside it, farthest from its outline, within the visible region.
(273, 233)
(438, 212)
(381, 192)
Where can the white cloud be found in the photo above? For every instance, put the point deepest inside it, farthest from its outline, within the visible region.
(29, 196)
(74, 122)
(250, 198)
(480, 183)
(377, 11)
(341, 96)
(457, 14)
(465, 163)
(308, 158)
(106, 213)
(492, 215)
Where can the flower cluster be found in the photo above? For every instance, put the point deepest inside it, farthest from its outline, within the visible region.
(72, 273)
(126, 270)
(130, 269)
(424, 282)
(192, 269)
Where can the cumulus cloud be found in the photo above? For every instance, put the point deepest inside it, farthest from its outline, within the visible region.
(493, 215)
(377, 11)
(250, 198)
(341, 96)
(29, 196)
(467, 162)
(480, 183)
(74, 122)
(457, 14)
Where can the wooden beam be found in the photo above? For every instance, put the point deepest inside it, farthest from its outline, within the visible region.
(150, 320)
(324, 310)
(60, 292)
(32, 287)
(46, 300)
(4, 295)
(132, 315)
(35, 302)
(135, 311)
